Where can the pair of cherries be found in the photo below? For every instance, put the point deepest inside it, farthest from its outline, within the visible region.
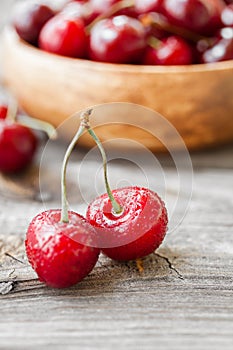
(125, 224)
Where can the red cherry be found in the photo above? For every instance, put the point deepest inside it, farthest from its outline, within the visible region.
(170, 51)
(156, 33)
(201, 16)
(17, 146)
(64, 36)
(222, 50)
(29, 18)
(147, 6)
(54, 251)
(76, 9)
(120, 39)
(135, 233)
(3, 111)
(227, 16)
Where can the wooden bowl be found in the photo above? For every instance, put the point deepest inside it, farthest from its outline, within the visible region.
(196, 99)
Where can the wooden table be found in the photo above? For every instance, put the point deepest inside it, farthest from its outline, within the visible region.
(182, 300)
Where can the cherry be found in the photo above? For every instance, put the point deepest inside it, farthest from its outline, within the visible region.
(120, 39)
(147, 6)
(201, 16)
(227, 15)
(83, 10)
(17, 146)
(158, 25)
(143, 223)
(153, 32)
(169, 51)
(65, 36)
(54, 251)
(222, 50)
(59, 242)
(226, 33)
(3, 111)
(18, 143)
(29, 18)
(130, 222)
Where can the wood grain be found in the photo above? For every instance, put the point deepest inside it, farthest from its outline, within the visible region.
(182, 300)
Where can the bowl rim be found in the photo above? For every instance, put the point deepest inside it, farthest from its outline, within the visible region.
(10, 34)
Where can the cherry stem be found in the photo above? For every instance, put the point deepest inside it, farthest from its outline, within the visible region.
(116, 206)
(12, 110)
(154, 42)
(160, 22)
(121, 5)
(38, 124)
(29, 122)
(65, 207)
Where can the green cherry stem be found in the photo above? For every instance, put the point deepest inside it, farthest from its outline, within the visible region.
(84, 125)
(116, 206)
(12, 110)
(29, 122)
(38, 124)
(65, 207)
(154, 42)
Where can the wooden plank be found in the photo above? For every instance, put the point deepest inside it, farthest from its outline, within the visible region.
(183, 299)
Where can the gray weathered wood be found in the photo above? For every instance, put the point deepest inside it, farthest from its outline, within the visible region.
(182, 300)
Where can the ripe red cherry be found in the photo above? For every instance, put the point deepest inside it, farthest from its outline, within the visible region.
(17, 146)
(29, 18)
(201, 16)
(170, 51)
(147, 6)
(135, 233)
(222, 50)
(120, 39)
(227, 16)
(54, 249)
(76, 9)
(3, 111)
(64, 36)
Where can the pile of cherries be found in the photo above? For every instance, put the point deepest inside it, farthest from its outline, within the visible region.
(151, 32)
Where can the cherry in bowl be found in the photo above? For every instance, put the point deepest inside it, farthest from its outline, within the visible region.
(120, 39)
(29, 18)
